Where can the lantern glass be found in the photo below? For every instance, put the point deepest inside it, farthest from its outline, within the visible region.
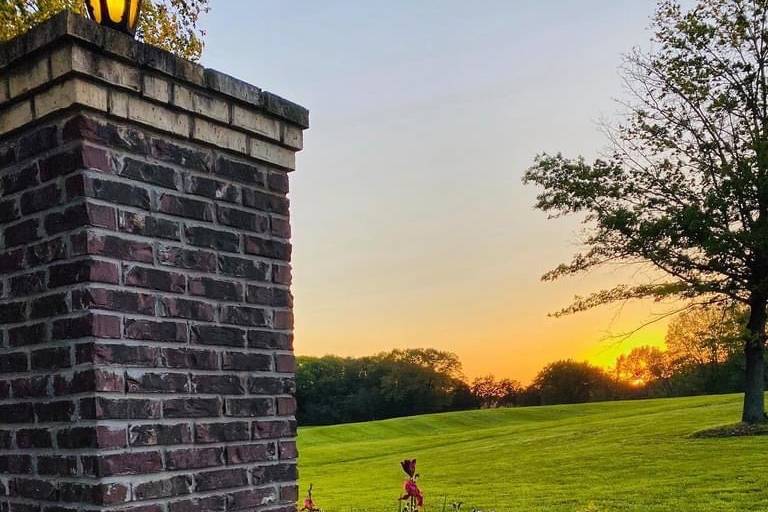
(122, 15)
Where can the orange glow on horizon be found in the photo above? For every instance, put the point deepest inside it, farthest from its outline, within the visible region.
(490, 350)
(412, 227)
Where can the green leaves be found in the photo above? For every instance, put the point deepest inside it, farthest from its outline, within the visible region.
(169, 24)
(686, 188)
(173, 26)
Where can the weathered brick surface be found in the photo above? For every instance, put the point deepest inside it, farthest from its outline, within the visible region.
(146, 353)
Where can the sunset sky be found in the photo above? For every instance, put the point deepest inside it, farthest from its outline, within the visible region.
(411, 224)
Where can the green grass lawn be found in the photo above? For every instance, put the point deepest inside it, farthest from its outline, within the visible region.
(614, 456)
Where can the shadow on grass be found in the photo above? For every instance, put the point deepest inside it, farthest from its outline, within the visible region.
(733, 430)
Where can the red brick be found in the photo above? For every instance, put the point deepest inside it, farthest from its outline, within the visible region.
(280, 228)
(80, 158)
(39, 254)
(30, 386)
(222, 432)
(209, 504)
(111, 246)
(27, 438)
(250, 499)
(191, 259)
(270, 340)
(278, 182)
(286, 406)
(123, 464)
(250, 407)
(13, 362)
(288, 450)
(89, 380)
(155, 331)
(57, 465)
(248, 316)
(162, 434)
(33, 489)
(222, 384)
(21, 233)
(194, 458)
(282, 320)
(101, 326)
(289, 493)
(189, 359)
(212, 238)
(281, 274)
(149, 226)
(242, 219)
(285, 363)
(62, 410)
(187, 157)
(220, 479)
(268, 248)
(12, 261)
(192, 407)
(242, 361)
(212, 189)
(51, 358)
(165, 488)
(184, 308)
(274, 473)
(83, 271)
(194, 358)
(215, 289)
(243, 454)
(101, 408)
(155, 279)
(117, 354)
(91, 437)
(40, 199)
(106, 190)
(139, 382)
(114, 300)
(218, 335)
(79, 216)
(240, 171)
(149, 173)
(16, 464)
(185, 207)
(28, 335)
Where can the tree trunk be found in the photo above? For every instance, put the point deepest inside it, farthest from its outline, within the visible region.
(754, 349)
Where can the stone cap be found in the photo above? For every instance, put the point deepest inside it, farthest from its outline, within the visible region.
(68, 25)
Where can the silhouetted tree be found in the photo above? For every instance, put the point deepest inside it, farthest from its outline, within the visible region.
(333, 389)
(705, 336)
(492, 392)
(704, 344)
(643, 365)
(570, 382)
(685, 188)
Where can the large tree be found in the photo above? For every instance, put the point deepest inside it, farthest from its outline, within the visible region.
(644, 365)
(571, 382)
(169, 24)
(685, 187)
(406, 382)
(492, 392)
(705, 336)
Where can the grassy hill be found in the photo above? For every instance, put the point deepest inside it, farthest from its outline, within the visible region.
(616, 456)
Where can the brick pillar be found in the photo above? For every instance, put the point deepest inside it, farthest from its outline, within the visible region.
(146, 319)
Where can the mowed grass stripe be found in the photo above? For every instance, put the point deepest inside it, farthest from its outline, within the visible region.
(612, 456)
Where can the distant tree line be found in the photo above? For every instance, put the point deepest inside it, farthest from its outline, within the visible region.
(335, 389)
(702, 356)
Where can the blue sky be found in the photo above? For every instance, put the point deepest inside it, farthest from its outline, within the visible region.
(411, 226)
